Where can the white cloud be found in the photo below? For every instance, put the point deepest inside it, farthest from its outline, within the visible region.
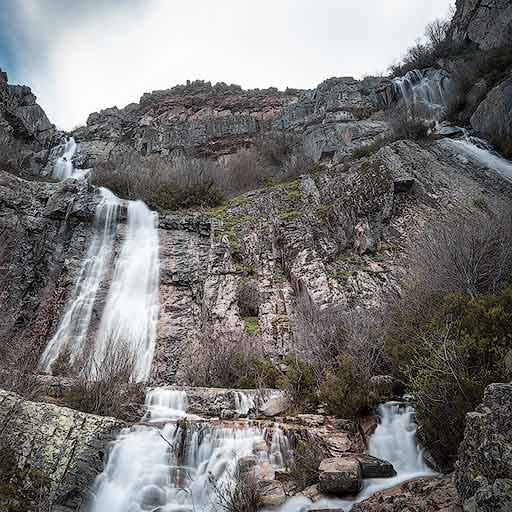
(82, 57)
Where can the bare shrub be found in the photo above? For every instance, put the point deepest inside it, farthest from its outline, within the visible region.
(106, 387)
(230, 360)
(239, 494)
(409, 122)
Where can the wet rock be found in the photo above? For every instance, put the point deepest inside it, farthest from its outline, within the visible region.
(247, 463)
(271, 493)
(484, 468)
(372, 467)
(340, 476)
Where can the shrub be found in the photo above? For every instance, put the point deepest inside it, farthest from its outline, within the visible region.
(369, 149)
(304, 465)
(173, 197)
(409, 122)
(299, 381)
(237, 494)
(346, 389)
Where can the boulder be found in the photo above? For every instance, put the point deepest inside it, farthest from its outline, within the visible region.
(275, 406)
(340, 476)
(271, 493)
(484, 468)
(428, 494)
(372, 467)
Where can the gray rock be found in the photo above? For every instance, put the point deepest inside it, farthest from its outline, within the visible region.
(372, 467)
(276, 406)
(486, 24)
(484, 468)
(340, 476)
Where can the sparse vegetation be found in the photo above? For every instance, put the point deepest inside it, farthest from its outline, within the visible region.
(304, 465)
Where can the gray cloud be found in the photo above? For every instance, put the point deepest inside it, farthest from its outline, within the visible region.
(84, 55)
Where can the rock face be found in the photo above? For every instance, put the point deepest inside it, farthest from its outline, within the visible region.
(24, 123)
(484, 468)
(485, 23)
(429, 494)
(493, 117)
(52, 449)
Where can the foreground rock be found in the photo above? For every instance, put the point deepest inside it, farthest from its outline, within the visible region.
(484, 468)
(340, 476)
(429, 494)
(50, 455)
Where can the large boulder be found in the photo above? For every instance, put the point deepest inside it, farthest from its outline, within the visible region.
(340, 476)
(484, 468)
(493, 117)
(51, 451)
(485, 24)
(428, 494)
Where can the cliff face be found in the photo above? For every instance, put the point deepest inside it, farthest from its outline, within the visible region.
(202, 120)
(485, 23)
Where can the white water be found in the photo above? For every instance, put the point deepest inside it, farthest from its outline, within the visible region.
(173, 469)
(243, 403)
(73, 328)
(63, 167)
(130, 316)
(428, 89)
(165, 404)
(394, 440)
(478, 151)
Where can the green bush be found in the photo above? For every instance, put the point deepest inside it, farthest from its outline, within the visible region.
(345, 390)
(299, 381)
(303, 470)
(460, 351)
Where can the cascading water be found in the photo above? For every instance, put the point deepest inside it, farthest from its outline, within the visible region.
(479, 151)
(243, 403)
(427, 89)
(165, 404)
(178, 468)
(72, 331)
(130, 317)
(63, 167)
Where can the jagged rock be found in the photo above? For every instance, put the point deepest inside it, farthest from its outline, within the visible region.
(493, 117)
(484, 468)
(56, 447)
(340, 476)
(427, 494)
(487, 24)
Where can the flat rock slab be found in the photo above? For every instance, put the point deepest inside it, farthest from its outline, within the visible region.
(340, 476)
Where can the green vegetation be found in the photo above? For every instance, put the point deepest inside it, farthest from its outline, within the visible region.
(299, 381)
(303, 470)
(290, 215)
(251, 325)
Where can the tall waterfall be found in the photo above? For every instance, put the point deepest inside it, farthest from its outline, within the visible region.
(130, 316)
(176, 468)
(63, 167)
(73, 328)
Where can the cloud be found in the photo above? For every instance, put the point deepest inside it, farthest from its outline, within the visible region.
(85, 55)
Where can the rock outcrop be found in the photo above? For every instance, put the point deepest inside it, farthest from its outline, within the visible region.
(493, 116)
(484, 467)
(484, 23)
(50, 454)
(427, 494)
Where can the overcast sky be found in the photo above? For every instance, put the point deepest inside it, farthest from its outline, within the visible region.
(83, 55)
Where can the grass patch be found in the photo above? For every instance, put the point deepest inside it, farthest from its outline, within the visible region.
(251, 325)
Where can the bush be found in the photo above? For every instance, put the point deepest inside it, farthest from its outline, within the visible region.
(370, 149)
(173, 197)
(409, 122)
(303, 470)
(230, 361)
(299, 381)
(346, 389)
(238, 494)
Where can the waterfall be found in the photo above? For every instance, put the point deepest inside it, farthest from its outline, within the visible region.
(165, 404)
(73, 328)
(63, 167)
(427, 89)
(480, 152)
(128, 325)
(130, 317)
(175, 468)
(243, 403)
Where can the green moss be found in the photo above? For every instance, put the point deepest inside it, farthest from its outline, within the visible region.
(294, 196)
(290, 215)
(251, 325)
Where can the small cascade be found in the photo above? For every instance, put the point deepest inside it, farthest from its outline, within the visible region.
(280, 448)
(480, 152)
(63, 167)
(130, 317)
(427, 89)
(178, 467)
(73, 328)
(243, 403)
(165, 405)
